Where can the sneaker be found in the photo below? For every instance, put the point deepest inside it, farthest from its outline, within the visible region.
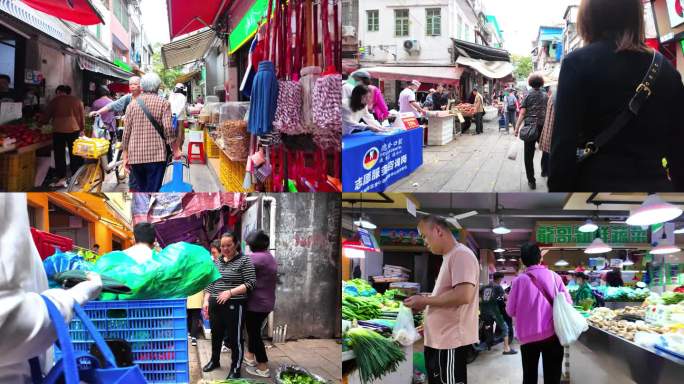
(532, 185)
(511, 352)
(224, 349)
(249, 363)
(254, 371)
(193, 341)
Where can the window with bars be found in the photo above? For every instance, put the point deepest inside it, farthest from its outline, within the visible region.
(401, 22)
(373, 20)
(433, 21)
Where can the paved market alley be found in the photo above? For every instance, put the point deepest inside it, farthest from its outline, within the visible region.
(321, 357)
(472, 163)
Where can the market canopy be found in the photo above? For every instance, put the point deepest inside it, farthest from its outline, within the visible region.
(443, 74)
(187, 16)
(81, 12)
(188, 49)
(490, 69)
(480, 52)
(184, 78)
(91, 63)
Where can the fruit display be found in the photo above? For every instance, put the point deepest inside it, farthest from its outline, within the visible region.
(23, 135)
(466, 109)
(607, 320)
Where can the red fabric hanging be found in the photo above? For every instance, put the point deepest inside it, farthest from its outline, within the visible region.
(315, 36)
(187, 16)
(81, 12)
(327, 45)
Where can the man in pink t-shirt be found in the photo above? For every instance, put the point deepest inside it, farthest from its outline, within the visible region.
(451, 312)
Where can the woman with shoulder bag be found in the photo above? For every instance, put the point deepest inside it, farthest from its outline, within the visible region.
(532, 114)
(530, 305)
(618, 108)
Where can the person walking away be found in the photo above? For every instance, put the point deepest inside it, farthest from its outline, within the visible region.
(355, 114)
(144, 145)
(492, 294)
(25, 325)
(532, 112)
(407, 99)
(479, 112)
(179, 109)
(119, 107)
(66, 113)
(511, 109)
(440, 99)
(451, 312)
(194, 314)
(378, 106)
(225, 304)
(547, 133)
(260, 303)
(589, 101)
(427, 105)
(533, 315)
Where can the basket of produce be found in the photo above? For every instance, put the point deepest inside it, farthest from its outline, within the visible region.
(90, 148)
(291, 374)
(466, 109)
(375, 354)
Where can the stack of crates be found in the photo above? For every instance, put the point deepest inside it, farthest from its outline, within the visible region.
(156, 330)
(211, 149)
(232, 173)
(17, 171)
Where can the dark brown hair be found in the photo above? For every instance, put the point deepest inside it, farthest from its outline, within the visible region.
(535, 80)
(602, 20)
(356, 99)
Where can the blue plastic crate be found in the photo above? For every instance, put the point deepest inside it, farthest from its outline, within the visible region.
(156, 329)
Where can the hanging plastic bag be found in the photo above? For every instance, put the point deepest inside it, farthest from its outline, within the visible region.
(404, 331)
(567, 321)
(513, 150)
(98, 128)
(62, 262)
(179, 270)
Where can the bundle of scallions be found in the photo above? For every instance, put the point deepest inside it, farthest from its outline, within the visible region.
(376, 355)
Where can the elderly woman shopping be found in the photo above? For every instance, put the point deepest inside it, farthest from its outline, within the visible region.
(148, 138)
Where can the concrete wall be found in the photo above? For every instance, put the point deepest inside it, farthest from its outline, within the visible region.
(434, 49)
(307, 251)
(59, 68)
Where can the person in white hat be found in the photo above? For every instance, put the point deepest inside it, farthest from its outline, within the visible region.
(179, 107)
(407, 99)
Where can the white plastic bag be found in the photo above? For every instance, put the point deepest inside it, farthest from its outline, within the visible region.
(98, 128)
(404, 331)
(567, 321)
(513, 150)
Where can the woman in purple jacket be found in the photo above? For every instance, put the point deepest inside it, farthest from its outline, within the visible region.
(533, 314)
(260, 303)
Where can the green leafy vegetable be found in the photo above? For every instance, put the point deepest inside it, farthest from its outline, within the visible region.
(360, 308)
(672, 297)
(375, 355)
(297, 378)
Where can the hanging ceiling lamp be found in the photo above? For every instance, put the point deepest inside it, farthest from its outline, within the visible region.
(501, 229)
(363, 221)
(597, 246)
(664, 249)
(679, 231)
(653, 210)
(561, 263)
(588, 226)
(499, 248)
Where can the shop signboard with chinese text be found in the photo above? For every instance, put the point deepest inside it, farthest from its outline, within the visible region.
(567, 234)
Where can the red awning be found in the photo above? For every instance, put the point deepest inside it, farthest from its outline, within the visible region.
(78, 11)
(187, 16)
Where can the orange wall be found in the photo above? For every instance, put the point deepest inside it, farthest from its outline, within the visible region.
(40, 202)
(102, 236)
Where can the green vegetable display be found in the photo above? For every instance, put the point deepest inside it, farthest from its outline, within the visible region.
(360, 308)
(360, 284)
(376, 356)
(297, 378)
(672, 297)
(622, 294)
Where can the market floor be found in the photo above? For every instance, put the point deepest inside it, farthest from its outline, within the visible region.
(321, 357)
(492, 367)
(472, 163)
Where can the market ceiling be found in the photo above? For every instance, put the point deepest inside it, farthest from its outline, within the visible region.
(187, 16)
(520, 211)
(81, 12)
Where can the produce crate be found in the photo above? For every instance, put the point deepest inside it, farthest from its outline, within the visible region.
(17, 171)
(212, 150)
(90, 148)
(232, 173)
(156, 329)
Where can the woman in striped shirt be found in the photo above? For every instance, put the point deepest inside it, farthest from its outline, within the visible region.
(225, 301)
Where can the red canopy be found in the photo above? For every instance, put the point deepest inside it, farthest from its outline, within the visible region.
(186, 16)
(78, 11)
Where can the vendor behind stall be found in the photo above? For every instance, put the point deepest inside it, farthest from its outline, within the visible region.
(584, 291)
(440, 99)
(355, 114)
(5, 93)
(407, 99)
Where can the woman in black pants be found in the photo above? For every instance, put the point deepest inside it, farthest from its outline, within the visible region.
(532, 111)
(226, 301)
(260, 303)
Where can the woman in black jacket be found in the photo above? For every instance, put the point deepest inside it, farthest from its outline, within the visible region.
(596, 84)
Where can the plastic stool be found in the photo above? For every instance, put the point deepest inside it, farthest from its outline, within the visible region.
(196, 156)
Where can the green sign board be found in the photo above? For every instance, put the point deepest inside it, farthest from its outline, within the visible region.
(248, 26)
(123, 65)
(569, 234)
(404, 236)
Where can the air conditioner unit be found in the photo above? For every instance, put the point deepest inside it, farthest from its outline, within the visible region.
(411, 46)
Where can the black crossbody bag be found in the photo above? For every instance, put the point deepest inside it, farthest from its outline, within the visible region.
(642, 94)
(157, 127)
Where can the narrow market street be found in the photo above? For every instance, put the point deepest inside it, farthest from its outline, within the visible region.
(473, 163)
